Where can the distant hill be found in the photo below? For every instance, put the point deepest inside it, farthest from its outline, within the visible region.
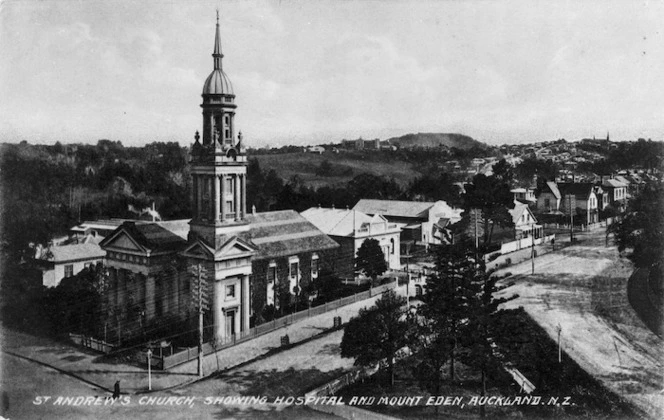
(436, 140)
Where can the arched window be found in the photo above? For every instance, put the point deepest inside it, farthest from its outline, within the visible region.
(392, 246)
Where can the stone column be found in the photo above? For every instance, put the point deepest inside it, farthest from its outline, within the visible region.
(149, 297)
(217, 315)
(245, 304)
(199, 197)
(196, 196)
(237, 197)
(223, 198)
(216, 198)
(243, 199)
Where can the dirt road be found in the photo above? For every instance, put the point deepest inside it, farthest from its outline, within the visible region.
(562, 294)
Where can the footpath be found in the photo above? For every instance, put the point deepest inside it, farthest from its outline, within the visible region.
(83, 364)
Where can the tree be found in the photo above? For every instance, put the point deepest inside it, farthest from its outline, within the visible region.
(435, 186)
(491, 194)
(444, 314)
(481, 330)
(370, 259)
(78, 303)
(377, 333)
(642, 230)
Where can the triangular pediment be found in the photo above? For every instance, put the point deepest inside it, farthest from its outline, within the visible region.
(235, 246)
(123, 240)
(198, 249)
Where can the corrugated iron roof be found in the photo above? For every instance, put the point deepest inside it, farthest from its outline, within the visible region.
(336, 222)
(285, 232)
(64, 253)
(394, 207)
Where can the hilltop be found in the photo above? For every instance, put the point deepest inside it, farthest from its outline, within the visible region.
(450, 140)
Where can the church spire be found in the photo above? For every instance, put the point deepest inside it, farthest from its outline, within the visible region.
(217, 47)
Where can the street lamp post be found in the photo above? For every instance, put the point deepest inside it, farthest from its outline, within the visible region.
(149, 369)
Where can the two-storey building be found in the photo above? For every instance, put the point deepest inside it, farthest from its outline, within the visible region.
(350, 228)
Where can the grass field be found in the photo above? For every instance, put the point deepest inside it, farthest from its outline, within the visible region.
(344, 165)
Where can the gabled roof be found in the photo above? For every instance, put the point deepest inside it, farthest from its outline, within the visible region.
(579, 189)
(280, 233)
(154, 237)
(64, 253)
(613, 183)
(340, 222)
(394, 207)
(518, 210)
(442, 223)
(552, 187)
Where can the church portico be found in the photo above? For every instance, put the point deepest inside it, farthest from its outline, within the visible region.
(230, 307)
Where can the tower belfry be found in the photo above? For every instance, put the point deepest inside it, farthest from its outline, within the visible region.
(219, 164)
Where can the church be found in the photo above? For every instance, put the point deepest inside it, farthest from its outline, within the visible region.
(247, 261)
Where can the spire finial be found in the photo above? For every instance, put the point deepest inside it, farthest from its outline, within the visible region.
(217, 55)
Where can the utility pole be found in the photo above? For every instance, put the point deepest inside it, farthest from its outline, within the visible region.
(200, 301)
(407, 256)
(476, 233)
(532, 249)
(571, 221)
(560, 359)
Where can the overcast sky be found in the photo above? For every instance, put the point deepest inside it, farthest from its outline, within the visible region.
(318, 71)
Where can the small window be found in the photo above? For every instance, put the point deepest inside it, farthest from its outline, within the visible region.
(272, 274)
(314, 266)
(230, 291)
(294, 268)
(69, 270)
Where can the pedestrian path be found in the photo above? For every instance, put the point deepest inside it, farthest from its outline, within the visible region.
(84, 365)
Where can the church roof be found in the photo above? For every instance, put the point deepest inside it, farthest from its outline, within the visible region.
(156, 237)
(217, 83)
(281, 233)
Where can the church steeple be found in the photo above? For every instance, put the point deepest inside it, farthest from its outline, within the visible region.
(219, 165)
(217, 47)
